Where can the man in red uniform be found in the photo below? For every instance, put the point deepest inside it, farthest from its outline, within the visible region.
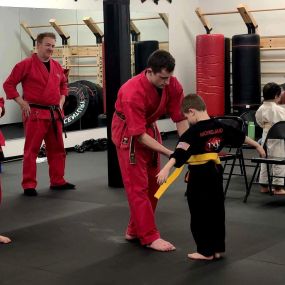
(44, 89)
(140, 103)
(3, 239)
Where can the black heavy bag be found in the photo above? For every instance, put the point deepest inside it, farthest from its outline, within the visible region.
(246, 71)
(142, 52)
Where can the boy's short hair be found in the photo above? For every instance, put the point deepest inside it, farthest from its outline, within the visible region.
(271, 90)
(161, 59)
(193, 101)
(41, 36)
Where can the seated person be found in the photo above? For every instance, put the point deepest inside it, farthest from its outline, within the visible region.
(267, 115)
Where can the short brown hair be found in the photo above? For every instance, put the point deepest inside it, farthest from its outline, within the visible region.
(161, 59)
(41, 36)
(193, 101)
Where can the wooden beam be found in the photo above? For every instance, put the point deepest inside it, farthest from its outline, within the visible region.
(64, 36)
(204, 21)
(164, 18)
(272, 42)
(89, 22)
(29, 32)
(247, 18)
(135, 32)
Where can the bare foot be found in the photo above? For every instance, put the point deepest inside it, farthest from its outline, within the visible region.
(4, 239)
(130, 237)
(218, 255)
(264, 189)
(198, 256)
(161, 245)
(279, 191)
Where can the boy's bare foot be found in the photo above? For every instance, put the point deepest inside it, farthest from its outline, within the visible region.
(280, 191)
(198, 256)
(4, 239)
(161, 245)
(130, 237)
(218, 255)
(264, 189)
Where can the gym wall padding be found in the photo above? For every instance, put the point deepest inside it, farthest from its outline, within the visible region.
(210, 72)
(246, 77)
(142, 52)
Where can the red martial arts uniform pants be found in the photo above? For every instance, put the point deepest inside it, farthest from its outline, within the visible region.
(37, 130)
(140, 185)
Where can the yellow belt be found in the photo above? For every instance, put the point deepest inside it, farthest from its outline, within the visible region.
(196, 159)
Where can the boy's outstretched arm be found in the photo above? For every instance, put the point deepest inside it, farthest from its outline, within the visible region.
(256, 145)
(164, 172)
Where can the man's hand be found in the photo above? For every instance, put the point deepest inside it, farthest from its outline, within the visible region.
(25, 107)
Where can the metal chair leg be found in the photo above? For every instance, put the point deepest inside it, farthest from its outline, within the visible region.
(251, 182)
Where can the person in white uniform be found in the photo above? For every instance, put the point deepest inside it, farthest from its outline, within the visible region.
(267, 115)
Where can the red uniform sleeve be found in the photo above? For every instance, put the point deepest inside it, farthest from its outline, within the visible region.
(10, 85)
(176, 96)
(135, 117)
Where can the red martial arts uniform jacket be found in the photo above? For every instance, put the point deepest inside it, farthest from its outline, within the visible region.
(141, 105)
(39, 86)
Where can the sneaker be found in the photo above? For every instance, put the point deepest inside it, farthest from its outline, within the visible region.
(66, 186)
(30, 192)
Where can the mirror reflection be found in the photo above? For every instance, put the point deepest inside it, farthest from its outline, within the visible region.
(79, 50)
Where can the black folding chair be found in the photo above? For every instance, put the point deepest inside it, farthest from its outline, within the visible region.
(225, 157)
(277, 131)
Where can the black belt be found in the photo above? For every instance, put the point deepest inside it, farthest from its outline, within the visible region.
(132, 144)
(120, 115)
(52, 109)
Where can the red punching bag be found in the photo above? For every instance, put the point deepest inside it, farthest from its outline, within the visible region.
(210, 72)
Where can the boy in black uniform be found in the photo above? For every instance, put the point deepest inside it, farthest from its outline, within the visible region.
(201, 143)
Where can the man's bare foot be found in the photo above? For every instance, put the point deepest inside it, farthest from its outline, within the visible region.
(161, 245)
(280, 191)
(198, 256)
(4, 239)
(130, 237)
(218, 255)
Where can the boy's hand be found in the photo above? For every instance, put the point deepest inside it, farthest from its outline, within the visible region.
(162, 176)
(261, 151)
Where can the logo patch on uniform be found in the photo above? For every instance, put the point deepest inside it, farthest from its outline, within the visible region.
(183, 145)
(125, 140)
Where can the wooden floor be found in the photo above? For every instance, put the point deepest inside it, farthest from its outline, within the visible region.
(76, 236)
